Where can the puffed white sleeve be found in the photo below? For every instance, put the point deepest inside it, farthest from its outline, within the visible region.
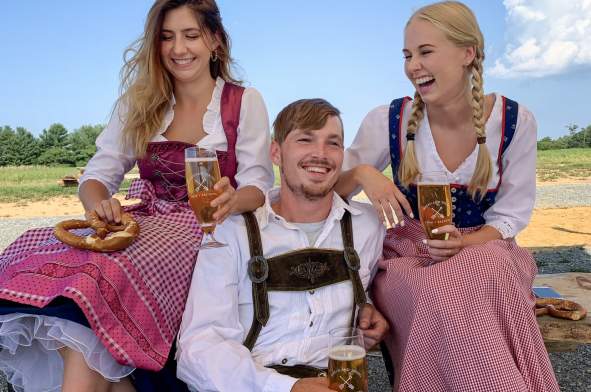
(111, 160)
(371, 144)
(253, 143)
(517, 194)
(210, 353)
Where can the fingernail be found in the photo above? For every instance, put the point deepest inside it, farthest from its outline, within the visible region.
(434, 231)
(412, 216)
(424, 242)
(402, 223)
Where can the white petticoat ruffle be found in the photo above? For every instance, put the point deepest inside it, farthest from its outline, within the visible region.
(29, 356)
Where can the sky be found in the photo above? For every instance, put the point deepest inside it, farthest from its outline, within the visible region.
(61, 59)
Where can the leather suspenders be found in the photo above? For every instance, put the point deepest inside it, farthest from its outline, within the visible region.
(301, 270)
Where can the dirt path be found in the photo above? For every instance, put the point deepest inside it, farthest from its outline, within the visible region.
(548, 227)
(56, 206)
(557, 227)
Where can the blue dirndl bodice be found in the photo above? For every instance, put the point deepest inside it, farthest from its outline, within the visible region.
(466, 211)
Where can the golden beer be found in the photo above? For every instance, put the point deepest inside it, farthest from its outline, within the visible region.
(435, 208)
(202, 174)
(347, 368)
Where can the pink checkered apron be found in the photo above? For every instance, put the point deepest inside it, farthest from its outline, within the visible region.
(132, 299)
(464, 324)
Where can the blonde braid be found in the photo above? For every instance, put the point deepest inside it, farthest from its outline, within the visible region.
(409, 167)
(483, 171)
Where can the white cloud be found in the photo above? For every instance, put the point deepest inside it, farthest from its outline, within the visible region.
(546, 37)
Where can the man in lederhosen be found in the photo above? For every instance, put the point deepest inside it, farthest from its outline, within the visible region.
(260, 309)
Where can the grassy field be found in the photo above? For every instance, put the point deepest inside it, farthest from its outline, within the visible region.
(35, 182)
(40, 182)
(571, 163)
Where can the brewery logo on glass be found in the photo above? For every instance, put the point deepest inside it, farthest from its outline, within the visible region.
(205, 177)
(347, 368)
(347, 379)
(435, 213)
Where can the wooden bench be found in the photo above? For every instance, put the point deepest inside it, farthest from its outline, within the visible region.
(68, 181)
(566, 335)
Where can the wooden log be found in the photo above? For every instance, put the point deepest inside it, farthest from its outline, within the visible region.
(559, 347)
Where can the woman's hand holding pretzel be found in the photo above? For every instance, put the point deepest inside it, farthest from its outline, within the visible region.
(108, 210)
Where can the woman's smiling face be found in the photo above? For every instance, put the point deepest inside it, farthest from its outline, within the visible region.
(185, 49)
(435, 66)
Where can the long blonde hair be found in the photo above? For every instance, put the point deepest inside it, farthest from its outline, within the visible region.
(459, 25)
(146, 86)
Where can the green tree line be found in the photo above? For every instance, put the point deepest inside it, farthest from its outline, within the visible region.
(576, 138)
(54, 146)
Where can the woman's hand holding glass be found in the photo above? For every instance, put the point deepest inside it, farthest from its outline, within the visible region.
(385, 197)
(441, 250)
(226, 202)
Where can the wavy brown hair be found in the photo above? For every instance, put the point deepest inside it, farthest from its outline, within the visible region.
(146, 86)
(459, 25)
(304, 114)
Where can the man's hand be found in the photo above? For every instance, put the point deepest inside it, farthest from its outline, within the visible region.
(314, 384)
(373, 325)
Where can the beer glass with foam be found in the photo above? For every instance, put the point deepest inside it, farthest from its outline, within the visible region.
(202, 172)
(435, 209)
(347, 362)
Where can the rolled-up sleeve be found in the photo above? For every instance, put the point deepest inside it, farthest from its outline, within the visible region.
(111, 160)
(253, 143)
(516, 195)
(210, 353)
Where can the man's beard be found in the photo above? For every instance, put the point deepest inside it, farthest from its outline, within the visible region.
(306, 192)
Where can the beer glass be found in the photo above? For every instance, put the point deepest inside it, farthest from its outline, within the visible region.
(434, 203)
(202, 172)
(347, 363)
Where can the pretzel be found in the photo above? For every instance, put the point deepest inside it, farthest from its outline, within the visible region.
(584, 283)
(122, 235)
(560, 308)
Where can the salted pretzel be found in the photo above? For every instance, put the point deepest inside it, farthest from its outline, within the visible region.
(120, 237)
(560, 308)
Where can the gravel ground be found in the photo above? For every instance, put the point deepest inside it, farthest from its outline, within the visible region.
(561, 196)
(573, 369)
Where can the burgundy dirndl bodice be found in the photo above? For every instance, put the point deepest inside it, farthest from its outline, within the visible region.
(132, 299)
(163, 164)
(163, 167)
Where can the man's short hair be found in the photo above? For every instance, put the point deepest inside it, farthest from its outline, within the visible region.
(305, 114)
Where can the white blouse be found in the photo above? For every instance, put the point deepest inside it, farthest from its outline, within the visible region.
(219, 310)
(516, 195)
(112, 160)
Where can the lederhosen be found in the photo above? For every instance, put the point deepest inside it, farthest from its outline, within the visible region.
(301, 270)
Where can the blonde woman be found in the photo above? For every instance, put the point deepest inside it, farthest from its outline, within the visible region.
(460, 310)
(78, 320)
